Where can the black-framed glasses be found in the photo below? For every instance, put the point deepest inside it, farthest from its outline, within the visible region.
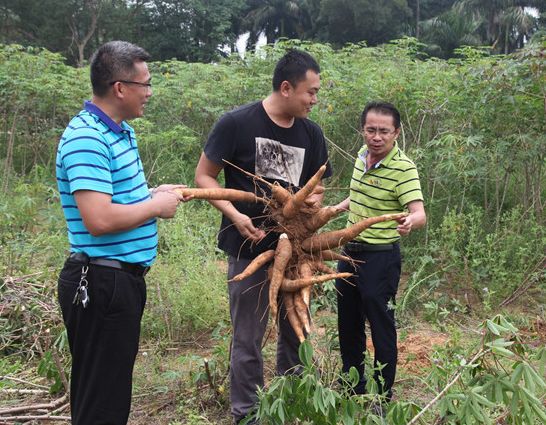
(147, 85)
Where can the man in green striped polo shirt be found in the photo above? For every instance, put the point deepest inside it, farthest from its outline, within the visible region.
(384, 181)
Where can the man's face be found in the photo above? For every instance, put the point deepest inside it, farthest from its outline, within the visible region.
(379, 134)
(136, 91)
(303, 96)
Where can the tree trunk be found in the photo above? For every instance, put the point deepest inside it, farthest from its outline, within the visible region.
(93, 6)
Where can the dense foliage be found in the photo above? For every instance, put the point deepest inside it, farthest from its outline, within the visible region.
(475, 127)
(201, 30)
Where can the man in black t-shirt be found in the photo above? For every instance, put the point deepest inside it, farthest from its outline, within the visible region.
(273, 139)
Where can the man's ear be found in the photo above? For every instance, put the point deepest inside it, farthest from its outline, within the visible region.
(118, 90)
(285, 88)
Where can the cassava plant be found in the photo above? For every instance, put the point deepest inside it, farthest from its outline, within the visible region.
(500, 382)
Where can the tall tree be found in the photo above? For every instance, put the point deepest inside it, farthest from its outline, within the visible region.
(275, 19)
(72, 27)
(425, 9)
(505, 23)
(191, 30)
(83, 24)
(375, 22)
(31, 22)
(444, 33)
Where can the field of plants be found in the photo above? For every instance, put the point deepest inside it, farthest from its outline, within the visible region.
(471, 307)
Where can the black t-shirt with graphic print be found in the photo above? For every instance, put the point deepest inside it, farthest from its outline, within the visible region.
(248, 138)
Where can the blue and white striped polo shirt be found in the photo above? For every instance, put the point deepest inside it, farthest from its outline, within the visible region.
(95, 153)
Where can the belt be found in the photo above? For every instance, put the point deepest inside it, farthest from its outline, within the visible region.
(357, 246)
(134, 269)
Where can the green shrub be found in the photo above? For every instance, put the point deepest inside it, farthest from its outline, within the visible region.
(187, 286)
(489, 262)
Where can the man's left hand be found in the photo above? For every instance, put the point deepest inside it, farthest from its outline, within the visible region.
(416, 218)
(404, 225)
(169, 188)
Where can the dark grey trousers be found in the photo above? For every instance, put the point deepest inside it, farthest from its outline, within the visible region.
(249, 309)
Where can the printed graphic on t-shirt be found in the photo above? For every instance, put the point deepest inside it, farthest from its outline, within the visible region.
(277, 161)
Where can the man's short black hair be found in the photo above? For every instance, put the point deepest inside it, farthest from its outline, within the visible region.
(383, 108)
(293, 67)
(113, 61)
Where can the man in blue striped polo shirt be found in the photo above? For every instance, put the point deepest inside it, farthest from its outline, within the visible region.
(384, 181)
(111, 218)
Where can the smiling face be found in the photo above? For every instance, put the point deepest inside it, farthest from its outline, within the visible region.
(379, 134)
(135, 95)
(302, 97)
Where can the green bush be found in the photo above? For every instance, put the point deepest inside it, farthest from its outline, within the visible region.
(487, 261)
(187, 285)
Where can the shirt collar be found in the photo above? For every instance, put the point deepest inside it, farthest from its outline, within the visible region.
(391, 154)
(94, 109)
(364, 153)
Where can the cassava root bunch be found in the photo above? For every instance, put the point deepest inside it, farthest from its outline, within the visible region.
(297, 261)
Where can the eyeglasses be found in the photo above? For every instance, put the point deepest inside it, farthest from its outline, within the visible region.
(147, 85)
(382, 132)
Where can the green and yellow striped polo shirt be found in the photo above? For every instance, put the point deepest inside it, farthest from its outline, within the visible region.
(384, 189)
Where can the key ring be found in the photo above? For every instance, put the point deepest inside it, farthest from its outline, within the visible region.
(83, 279)
(84, 272)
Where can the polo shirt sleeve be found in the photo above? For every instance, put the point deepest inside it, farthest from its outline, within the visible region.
(220, 143)
(409, 187)
(85, 155)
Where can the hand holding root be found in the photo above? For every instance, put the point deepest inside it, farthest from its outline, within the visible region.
(246, 228)
(404, 225)
(177, 189)
(166, 203)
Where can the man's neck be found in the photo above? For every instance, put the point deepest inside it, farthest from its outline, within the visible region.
(108, 108)
(273, 105)
(372, 161)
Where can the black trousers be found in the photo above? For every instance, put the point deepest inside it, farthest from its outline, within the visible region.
(103, 339)
(367, 296)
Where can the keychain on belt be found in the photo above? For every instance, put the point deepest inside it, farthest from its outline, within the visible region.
(81, 292)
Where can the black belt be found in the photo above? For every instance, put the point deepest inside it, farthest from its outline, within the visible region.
(134, 269)
(357, 246)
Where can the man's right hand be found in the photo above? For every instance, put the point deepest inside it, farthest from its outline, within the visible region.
(245, 227)
(206, 176)
(166, 202)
